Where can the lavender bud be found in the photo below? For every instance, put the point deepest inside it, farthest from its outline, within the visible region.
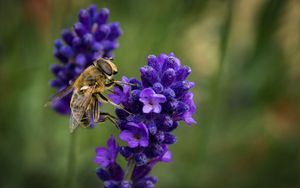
(102, 16)
(148, 75)
(169, 93)
(159, 136)
(158, 88)
(138, 84)
(68, 36)
(102, 174)
(102, 32)
(126, 184)
(110, 184)
(173, 127)
(80, 29)
(66, 51)
(183, 73)
(145, 184)
(125, 151)
(168, 77)
(92, 10)
(115, 31)
(161, 59)
(97, 46)
(55, 68)
(56, 84)
(76, 42)
(88, 39)
(58, 44)
(140, 159)
(61, 57)
(84, 18)
(157, 150)
(171, 62)
(181, 108)
(152, 61)
(167, 123)
(80, 60)
(151, 127)
(109, 45)
(169, 139)
(181, 88)
(136, 95)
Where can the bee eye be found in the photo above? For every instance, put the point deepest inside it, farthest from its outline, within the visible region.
(106, 68)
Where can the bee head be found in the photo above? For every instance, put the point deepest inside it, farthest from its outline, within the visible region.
(106, 66)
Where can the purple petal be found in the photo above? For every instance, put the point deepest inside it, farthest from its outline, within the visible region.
(146, 93)
(126, 88)
(126, 135)
(156, 108)
(144, 142)
(133, 143)
(102, 155)
(115, 98)
(144, 100)
(132, 125)
(144, 128)
(113, 147)
(167, 157)
(188, 119)
(147, 108)
(159, 98)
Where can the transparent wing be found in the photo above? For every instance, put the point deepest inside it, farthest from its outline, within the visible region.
(80, 103)
(96, 112)
(60, 94)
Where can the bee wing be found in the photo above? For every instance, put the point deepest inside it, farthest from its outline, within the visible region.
(96, 112)
(79, 106)
(60, 94)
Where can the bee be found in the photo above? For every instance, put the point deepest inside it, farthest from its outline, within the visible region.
(88, 91)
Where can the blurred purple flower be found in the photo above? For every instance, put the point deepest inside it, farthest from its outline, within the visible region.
(90, 38)
(107, 156)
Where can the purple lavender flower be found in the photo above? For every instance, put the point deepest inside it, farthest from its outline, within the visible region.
(111, 172)
(156, 104)
(107, 156)
(151, 100)
(91, 37)
(120, 96)
(135, 135)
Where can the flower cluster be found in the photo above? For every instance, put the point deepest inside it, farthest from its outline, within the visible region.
(156, 104)
(90, 38)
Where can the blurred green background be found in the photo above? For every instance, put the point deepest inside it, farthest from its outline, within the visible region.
(245, 57)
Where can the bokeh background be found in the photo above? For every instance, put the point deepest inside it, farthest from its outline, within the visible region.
(245, 57)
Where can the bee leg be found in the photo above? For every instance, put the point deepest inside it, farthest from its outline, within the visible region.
(101, 97)
(108, 116)
(112, 83)
(123, 83)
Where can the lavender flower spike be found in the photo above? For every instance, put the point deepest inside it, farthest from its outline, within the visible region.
(156, 104)
(91, 37)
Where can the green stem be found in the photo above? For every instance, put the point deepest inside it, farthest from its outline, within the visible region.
(71, 168)
(129, 169)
